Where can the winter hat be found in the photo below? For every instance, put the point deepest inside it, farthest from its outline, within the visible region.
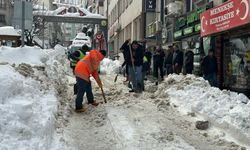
(85, 47)
(103, 52)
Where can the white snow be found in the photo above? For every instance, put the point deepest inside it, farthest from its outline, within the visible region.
(30, 55)
(8, 30)
(60, 9)
(28, 106)
(109, 66)
(225, 109)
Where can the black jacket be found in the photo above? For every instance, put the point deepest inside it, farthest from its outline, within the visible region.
(209, 65)
(169, 59)
(159, 56)
(137, 54)
(178, 58)
(189, 62)
(125, 48)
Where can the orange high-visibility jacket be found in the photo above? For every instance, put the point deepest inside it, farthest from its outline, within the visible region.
(89, 66)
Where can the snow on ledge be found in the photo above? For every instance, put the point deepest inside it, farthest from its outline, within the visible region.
(8, 30)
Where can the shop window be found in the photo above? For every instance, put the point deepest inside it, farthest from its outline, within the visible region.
(237, 63)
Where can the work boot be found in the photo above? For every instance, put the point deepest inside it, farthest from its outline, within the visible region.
(80, 110)
(131, 91)
(95, 103)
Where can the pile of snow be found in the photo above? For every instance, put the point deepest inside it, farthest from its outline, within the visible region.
(29, 55)
(109, 66)
(29, 104)
(8, 30)
(225, 109)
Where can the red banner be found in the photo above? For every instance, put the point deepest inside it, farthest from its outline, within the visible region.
(226, 16)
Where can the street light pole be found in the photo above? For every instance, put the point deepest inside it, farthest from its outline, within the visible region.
(23, 22)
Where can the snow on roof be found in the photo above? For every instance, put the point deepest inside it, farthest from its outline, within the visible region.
(8, 30)
(60, 9)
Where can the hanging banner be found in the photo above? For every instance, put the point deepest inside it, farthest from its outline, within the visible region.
(230, 14)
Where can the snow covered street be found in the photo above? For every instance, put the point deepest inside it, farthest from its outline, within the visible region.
(37, 109)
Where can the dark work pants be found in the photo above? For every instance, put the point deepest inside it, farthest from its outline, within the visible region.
(82, 87)
(158, 67)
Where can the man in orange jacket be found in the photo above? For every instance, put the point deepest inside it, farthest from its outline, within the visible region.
(84, 68)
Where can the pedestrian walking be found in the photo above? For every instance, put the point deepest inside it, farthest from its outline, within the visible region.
(177, 60)
(168, 60)
(209, 67)
(125, 51)
(189, 61)
(158, 63)
(135, 62)
(84, 68)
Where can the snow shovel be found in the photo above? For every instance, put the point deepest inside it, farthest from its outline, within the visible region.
(116, 77)
(105, 101)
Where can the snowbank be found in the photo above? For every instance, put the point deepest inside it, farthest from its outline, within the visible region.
(227, 110)
(109, 66)
(26, 110)
(29, 55)
(29, 102)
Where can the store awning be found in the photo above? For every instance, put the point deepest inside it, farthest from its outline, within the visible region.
(226, 16)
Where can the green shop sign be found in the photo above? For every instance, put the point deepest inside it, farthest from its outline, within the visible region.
(197, 27)
(188, 30)
(195, 16)
(178, 34)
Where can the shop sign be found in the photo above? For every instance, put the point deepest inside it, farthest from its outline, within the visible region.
(150, 5)
(178, 34)
(197, 27)
(181, 22)
(230, 14)
(195, 16)
(188, 30)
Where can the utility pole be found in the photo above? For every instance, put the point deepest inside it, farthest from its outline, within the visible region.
(162, 20)
(23, 21)
(43, 26)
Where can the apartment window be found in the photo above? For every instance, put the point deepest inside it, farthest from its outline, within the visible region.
(2, 18)
(2, 4)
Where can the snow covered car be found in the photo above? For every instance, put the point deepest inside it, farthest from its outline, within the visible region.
(81, 39)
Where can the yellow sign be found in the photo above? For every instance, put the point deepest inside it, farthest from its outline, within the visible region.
(104, 23)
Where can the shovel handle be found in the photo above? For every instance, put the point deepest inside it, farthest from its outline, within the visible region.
(103, 95)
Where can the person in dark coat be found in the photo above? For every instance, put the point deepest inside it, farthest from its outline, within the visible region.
(209, 67)
(168, 60)
(135, 63)
(177, 60)
(189, 61)
(125, 51)
(158, 62)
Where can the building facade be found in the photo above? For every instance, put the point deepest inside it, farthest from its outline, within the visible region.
(6, 12)
(125, 21)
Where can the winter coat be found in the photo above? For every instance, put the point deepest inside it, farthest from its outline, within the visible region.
(209, 65)
(169, 59)
(75, 57)
(159, 57)
(178, 58)
(137, 55)
(89, 66)
(189, 60)
(125, 52)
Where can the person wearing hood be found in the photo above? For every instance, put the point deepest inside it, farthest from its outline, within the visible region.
(83, 70)
(177, 60)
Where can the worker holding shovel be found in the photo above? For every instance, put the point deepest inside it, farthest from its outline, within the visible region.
(135, 62)
(84, 68)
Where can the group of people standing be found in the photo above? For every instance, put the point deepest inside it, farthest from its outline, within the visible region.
(137, 60)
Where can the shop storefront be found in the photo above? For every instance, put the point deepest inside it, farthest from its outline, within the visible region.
(187, 33)
(229, 25)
